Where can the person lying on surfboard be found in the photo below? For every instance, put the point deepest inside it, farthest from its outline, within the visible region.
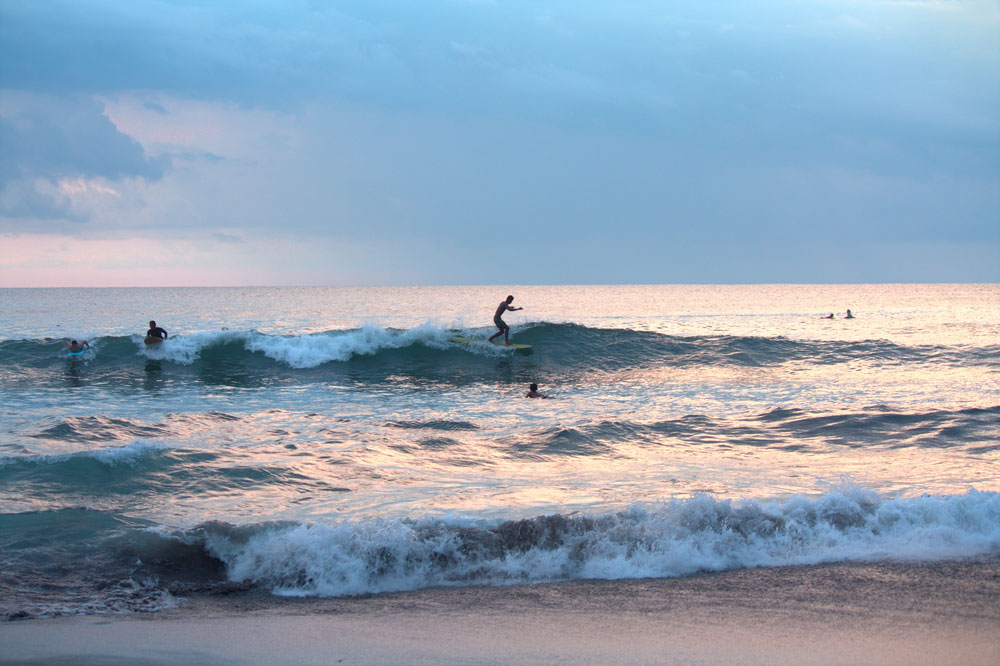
(505, 306)
(155, 333)
(533, 392)
(75, 346)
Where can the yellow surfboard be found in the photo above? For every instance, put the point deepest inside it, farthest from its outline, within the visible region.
(512, 345)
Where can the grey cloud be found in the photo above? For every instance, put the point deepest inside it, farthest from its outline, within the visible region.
(21, 199)
(636, 123)
(195, 156)
(64, 138)
(227, 238)
(71, 138)
(808, 76)
(409, 178)
(665, 64)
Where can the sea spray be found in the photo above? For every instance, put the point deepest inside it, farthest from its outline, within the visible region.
(676, 538)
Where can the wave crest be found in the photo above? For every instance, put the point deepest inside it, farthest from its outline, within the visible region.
(680, 537)
(559, 347)
(129, 454)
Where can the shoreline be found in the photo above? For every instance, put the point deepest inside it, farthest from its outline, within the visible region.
(884, 612)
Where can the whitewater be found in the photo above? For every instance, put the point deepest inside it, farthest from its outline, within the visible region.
(332, 442)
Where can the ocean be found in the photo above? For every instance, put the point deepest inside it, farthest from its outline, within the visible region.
(334, 442)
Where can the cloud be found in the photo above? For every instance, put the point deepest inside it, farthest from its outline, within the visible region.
(55, 152)
(609, 64)
(72, 137)
(226, 238)
(565, 129)
(26, 199)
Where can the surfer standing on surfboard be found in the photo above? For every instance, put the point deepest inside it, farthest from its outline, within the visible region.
(155, 333)
(505, 306)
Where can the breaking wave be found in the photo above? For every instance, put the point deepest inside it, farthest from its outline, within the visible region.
(140, 566)
(560, 348)
(675, 539)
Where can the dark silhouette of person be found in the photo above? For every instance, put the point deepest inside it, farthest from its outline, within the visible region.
(533, 392)
(505, 306)
(155, 332)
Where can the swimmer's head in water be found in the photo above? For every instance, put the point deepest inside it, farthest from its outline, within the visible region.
(533, 387)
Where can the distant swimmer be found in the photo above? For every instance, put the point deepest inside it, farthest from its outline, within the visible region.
(75, 347)
(533, 392)
(155, 334)
(829, 316)
(849, 315)
(505, 306)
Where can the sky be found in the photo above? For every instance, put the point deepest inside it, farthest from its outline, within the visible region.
(373, 142)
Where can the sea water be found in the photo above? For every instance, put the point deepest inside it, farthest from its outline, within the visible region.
(335, 441)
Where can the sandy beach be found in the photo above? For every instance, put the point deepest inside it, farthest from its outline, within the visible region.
(838, 614)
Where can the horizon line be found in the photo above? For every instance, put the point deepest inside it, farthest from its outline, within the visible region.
(505, 285)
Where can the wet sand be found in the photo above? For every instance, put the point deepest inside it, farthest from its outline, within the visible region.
(881, 613)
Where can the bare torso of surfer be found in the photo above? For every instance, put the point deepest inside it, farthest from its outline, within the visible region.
(505, 306)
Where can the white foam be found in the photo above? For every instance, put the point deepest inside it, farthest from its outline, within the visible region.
(303, 351)
(128, 454)
(126, 597)
(309, 351)
(115, 455)
(188, 347)
(673, 539)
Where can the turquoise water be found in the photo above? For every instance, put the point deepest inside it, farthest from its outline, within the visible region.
(335, 441)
